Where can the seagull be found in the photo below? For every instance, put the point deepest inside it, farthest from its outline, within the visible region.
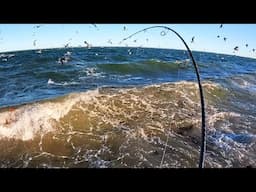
(225, 39)
(246, 45)
(221, 26)
(218, 36)
(124, 28)
(38, 26)
(236, 48)
(95, 26)
(253, 49)
(63, 60)
(87, 44)
(109, 41)
(66, 45)
(192, 41)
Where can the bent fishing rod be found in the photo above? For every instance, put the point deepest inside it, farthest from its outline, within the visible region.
(203, 130)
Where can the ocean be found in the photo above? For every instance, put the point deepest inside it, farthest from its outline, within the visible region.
(115, 107)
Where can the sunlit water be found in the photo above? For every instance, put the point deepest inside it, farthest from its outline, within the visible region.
(115, 107)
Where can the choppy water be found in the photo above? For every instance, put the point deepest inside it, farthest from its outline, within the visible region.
(114, 107)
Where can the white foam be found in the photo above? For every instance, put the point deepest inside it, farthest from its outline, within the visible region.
(27, 121)
(68, 53)
(38, 118)
(50, 81)
(244, 84)
(39, 51)
(221, 116)
(6, 55)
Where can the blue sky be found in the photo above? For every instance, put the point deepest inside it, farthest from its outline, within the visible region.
(22, 36)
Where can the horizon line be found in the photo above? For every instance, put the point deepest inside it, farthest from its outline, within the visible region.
(21, 50)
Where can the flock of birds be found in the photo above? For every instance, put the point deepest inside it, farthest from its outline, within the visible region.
(236, 48)
(163, 33)
(66, 57)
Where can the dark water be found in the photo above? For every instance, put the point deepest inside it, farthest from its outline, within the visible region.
(115, 107)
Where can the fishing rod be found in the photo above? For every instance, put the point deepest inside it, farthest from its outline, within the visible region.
(203, 130)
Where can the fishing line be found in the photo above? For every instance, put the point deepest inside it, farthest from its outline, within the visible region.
(167, 138)
(165, 147)
(203, 131)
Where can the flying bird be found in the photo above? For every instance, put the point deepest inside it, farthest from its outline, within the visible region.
(38, 26)
(236, 48)
(95, 26)
(225, 39)
(193, 38)
(218, 36)
(109, 41)
(246, 45)
(221, 26)
(87, 44)
(63, 60)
